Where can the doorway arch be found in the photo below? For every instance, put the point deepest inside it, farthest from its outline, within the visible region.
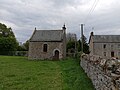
(56, 54)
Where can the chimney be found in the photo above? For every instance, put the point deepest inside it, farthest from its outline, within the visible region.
(35, 28)
(64, 41)
(64, 28)
(92, 34)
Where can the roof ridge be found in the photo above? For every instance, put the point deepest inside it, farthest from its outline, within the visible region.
(106, 35)
(50, 30)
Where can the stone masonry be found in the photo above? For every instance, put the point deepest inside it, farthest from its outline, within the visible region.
(105, 74)
(107, 46)
(48, 44)
(36, 47)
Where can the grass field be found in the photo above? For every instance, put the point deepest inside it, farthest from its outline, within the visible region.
(18, 73)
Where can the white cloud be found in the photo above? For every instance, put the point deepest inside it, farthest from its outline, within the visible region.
(24, 15)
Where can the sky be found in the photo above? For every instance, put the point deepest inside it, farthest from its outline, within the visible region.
(24, 15)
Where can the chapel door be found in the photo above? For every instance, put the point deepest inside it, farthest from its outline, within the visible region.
(56, 54)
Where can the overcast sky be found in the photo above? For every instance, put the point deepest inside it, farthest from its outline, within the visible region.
(24, 15)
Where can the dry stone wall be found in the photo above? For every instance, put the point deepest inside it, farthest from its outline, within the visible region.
(105, 74)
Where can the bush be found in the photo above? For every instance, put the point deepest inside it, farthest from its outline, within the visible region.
(21, 53)
(14, 53)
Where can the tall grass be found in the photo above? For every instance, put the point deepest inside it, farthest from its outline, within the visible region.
(74, 76)
(19, 73)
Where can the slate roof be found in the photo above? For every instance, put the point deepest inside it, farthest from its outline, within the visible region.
(47, 35)
(106, 38)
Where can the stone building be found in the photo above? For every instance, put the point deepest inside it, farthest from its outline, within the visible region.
(48, 44)
(107, 46)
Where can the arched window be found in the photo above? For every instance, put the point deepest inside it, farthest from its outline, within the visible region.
(45, 48)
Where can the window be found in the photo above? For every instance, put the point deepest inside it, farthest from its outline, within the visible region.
(111, 46)
(104, 53)
(104, 46)
(118, 53)
(45, 48)
(118, 46)
(112, 54)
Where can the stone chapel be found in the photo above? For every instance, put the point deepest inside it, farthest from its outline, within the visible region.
(48, 44)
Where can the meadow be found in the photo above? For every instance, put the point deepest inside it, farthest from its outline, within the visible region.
(19, 73)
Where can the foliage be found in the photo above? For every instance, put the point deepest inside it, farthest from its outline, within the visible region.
(71, 37)
(5, 31)
(26, 45)
(21, 53)
(18, 73)
(8, 41)
(21, 48)
(71, 45)
(85, 47)
(84, 39)
(7, 44)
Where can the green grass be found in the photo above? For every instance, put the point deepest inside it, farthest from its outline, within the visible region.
(18, 73)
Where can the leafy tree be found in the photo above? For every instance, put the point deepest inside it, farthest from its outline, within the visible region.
(6, 32)
(26, 45)
(85, 45)
(8, 41)
(70, 45)
(72, 42)
(79, 45)
(21, 48)
(71, 37)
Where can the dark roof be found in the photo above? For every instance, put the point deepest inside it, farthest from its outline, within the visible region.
(106, 38)
(47, 35)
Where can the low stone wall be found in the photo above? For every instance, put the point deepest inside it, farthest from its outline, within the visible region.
(105, 74)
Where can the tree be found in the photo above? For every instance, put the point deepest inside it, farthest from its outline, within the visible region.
(70, 45)
(21, 48)
(8, 41)
(85, 45)
(6, 32)
(71, 41)
(26, 45)
(71, 37)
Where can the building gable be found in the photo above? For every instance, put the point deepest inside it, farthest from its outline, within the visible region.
(48, 44)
